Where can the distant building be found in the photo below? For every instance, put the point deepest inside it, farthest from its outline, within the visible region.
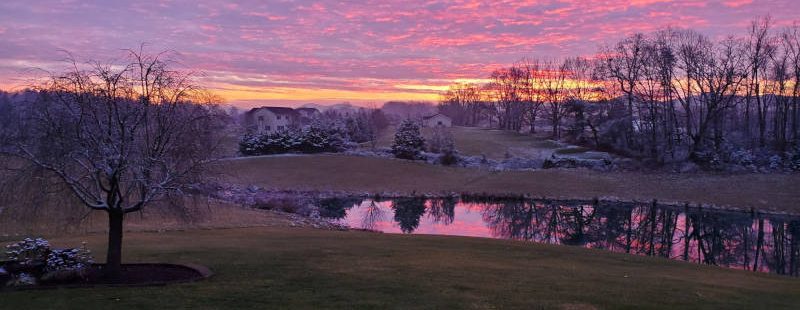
(437, 120)
(306, 115)
(271, 119)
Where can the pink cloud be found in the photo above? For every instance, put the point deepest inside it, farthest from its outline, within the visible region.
(370, 46)
(737, 3)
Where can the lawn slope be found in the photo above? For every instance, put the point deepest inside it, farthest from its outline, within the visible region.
(275, 268)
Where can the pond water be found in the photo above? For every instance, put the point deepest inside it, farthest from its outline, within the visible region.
(765, 243)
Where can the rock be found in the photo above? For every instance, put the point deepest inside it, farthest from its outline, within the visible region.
(595, 161)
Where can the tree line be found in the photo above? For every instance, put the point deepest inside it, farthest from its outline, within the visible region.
(669, 95)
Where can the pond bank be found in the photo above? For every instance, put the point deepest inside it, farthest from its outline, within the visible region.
(369, 175)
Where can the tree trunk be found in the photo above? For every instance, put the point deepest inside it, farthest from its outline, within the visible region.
(113, 268)
(759, 243)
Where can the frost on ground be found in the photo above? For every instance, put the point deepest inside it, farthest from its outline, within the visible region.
(302, 209)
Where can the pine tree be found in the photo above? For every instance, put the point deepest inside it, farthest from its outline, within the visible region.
(408, 142)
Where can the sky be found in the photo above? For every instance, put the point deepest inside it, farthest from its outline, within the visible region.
(366, 52)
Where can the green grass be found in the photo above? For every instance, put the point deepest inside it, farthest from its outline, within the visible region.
(275, 268)
(375, 175)
(494, 144)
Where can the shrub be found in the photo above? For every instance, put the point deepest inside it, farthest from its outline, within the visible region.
(22, 279)
(35, 261)
(441, 141)
(316, 138)
(69, 259)
(775, 162)
(449, 158)
(794, 159)
(28, 252)
(708, 159)
(250, 145)
(408, 142)
(741, 157)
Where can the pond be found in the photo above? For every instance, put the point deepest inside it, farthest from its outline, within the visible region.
(742, 240)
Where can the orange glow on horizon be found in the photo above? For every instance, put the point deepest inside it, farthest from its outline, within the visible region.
(232, 93)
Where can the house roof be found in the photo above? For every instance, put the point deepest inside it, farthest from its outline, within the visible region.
(307, 110)
(276, 110)
(435, 115)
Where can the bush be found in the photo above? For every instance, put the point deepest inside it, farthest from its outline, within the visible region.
(408, 142)
(742, 157)
(28, 252)
(449, 158)
(316, 139)
(22, 279)
(441, 141)
(708, 159)
(69, 259)
(32, 260)
(312, 139)
(794, 159)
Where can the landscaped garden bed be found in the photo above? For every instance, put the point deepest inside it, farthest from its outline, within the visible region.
(33, 264)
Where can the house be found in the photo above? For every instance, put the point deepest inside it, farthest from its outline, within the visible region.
(437, 120)
(274, 119)
(270, 119)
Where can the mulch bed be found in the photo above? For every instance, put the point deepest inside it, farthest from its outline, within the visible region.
(132, 275)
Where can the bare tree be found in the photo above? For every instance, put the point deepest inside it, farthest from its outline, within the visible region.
(712, 78)
(623, 64)
(791, 42)
(464, 103)
(759, 49)
(508, 87)
(531, 90)
(778, 86)
(553, 86)
(120, 136)
(580, 89)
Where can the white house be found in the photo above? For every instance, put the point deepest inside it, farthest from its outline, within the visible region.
(274, 119)
(270, 119)
(437, 120)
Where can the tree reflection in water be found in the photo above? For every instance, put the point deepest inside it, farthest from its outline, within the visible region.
(766, 243)
(407, 212)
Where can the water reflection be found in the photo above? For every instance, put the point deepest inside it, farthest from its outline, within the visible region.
(766, 243)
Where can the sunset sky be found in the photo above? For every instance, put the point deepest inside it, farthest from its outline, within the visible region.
(365, 52)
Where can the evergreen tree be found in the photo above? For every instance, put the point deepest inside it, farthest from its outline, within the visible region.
(408, 142)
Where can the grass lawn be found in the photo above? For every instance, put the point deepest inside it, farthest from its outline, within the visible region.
(779, 192)
(493, 143)
(269, 268)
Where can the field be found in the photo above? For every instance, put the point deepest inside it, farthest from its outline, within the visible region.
(494, 144)
(262, 263)
(779, 192)
(275, 268)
